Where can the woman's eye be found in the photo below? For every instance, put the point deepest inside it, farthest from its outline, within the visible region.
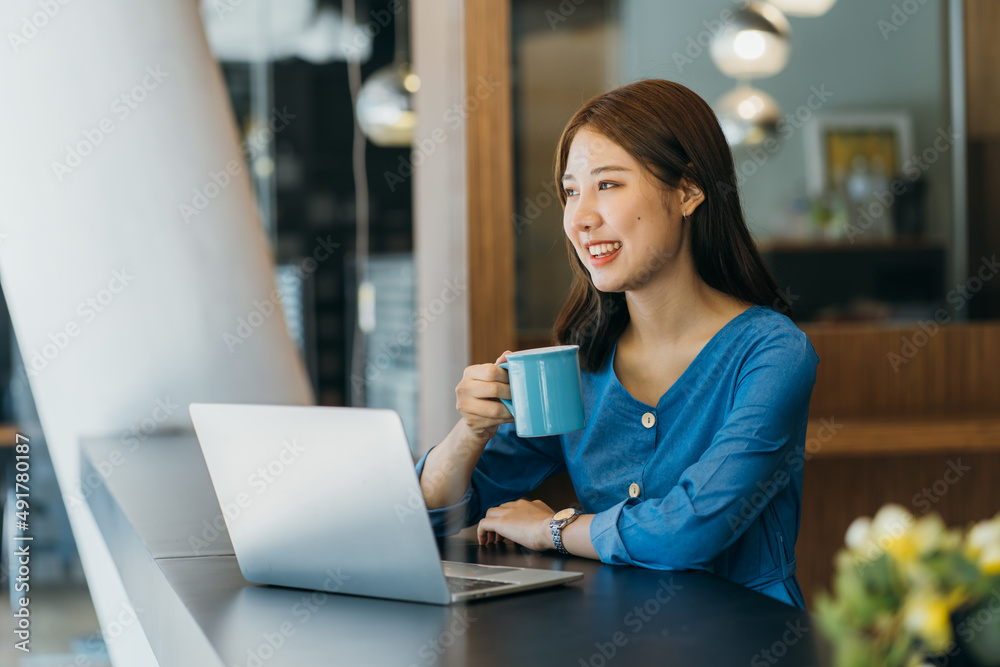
(605, 185)
(569, 192)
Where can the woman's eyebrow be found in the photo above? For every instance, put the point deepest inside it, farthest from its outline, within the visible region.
(598, 170)
(609, 167)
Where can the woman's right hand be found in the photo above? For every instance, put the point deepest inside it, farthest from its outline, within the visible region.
(478, 393)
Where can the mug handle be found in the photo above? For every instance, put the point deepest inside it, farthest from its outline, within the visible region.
(506, 402)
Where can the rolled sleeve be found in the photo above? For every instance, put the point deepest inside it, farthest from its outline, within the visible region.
(748, 462)
(509, 467)
(446, 520)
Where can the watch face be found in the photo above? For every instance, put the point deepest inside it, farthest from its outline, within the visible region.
(564, 514)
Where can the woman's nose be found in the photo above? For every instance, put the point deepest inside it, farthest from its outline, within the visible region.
(584, 215)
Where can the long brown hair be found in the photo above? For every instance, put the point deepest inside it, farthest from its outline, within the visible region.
(674, 134)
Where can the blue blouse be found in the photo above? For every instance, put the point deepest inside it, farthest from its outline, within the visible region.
(716, 465)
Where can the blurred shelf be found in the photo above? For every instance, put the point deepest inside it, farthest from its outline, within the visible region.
(887, 436)
(860, 244)
(871, 279)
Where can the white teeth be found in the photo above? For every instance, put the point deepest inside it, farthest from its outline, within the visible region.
(604, 249)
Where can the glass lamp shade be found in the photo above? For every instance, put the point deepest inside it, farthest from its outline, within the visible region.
(803, 7)
(748, 116)
(755, 44)
(385, 106)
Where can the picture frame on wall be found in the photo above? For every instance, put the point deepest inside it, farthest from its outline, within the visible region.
(838, 144)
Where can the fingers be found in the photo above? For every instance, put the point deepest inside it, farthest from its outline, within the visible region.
(487, 529)
(502, 358)
(485, 535)
(485, 373)
(477, 394)
(488, 411)
(477, 399)
(484, 389)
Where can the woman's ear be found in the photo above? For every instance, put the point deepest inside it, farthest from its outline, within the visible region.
(691, 197)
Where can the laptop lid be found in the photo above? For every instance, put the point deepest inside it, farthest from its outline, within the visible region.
(322, 498)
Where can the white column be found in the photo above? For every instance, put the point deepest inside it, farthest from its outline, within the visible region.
(131, 256)
(440, 213)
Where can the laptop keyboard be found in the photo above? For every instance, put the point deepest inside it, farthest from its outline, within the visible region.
(464, 584)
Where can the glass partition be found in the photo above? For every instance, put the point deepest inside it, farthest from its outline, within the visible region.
(848, 188)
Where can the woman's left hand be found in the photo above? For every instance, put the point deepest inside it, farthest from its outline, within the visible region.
(522, 521)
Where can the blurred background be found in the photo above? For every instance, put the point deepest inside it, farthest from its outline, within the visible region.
(865, 137)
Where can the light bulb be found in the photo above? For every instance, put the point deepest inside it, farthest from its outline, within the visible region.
(804, 7)
(748, 116)
(754, 44)
(385, 106)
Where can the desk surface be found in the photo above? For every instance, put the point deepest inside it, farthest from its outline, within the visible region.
(197, 609)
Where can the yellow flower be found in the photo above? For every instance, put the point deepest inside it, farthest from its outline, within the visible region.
(903, 548)
(857, 534)
(929, 533)
(982, 535)
(928, 616)
(891, 520)
(890, 532)
(989, 560)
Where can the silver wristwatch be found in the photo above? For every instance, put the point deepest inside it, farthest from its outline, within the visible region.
(560, 520)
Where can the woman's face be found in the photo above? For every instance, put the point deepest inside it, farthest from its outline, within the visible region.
(625, 225)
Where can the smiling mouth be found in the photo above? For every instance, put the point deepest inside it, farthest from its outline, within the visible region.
(604, 250)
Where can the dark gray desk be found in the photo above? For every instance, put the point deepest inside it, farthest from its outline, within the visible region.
(156, 511)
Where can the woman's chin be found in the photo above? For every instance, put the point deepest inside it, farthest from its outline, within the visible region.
(608, 286)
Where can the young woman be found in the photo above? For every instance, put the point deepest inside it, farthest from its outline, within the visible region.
(696, 386)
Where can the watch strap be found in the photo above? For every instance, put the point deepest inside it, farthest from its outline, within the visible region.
(557, 525)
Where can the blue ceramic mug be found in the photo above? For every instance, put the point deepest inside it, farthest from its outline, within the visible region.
(545, 386)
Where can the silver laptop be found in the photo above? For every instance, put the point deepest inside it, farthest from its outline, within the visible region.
(327, 498)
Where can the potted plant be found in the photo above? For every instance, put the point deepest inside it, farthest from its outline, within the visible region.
(911, 592)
